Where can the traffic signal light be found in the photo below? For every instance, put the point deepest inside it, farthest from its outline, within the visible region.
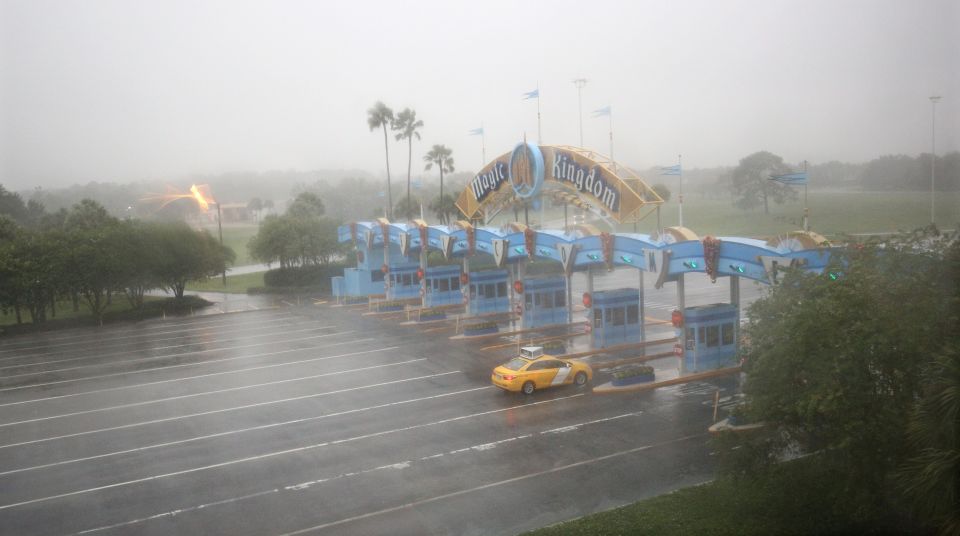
(692, 265)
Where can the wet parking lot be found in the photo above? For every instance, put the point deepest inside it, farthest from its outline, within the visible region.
(321, 420)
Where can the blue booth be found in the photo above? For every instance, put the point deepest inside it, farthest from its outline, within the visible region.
(443, 285)
(544, 301)
(403, 281)
(710, 337)
(489, 292)
(615, 316)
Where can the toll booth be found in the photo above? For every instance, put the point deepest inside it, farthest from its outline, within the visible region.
(443, 285)
(544, 301)
(489, 292)
(403, 282)
(615, 317)
(709, 336)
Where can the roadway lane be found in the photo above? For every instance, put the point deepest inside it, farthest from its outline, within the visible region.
(250, 427)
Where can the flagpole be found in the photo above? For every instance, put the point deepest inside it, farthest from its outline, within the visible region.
(680, 196)
(613, 164)
(806, 210)
(539, 138)
(483, 145)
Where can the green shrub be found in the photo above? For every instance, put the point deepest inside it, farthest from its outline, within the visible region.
(312, 276)
(640, 370)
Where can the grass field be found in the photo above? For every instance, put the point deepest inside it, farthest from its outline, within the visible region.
(236, 236)
(236, 284)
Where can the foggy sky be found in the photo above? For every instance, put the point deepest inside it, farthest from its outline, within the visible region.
(129, 90)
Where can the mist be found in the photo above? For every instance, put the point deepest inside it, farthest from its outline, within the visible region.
(159, 91)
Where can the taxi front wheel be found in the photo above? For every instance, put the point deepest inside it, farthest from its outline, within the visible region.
(580, 379)
(528, 388)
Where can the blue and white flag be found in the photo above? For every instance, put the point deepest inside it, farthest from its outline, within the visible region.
(799, 178)
(600, 112)
(381, 193)
(535, 94)
(671, 170)
(476, 132)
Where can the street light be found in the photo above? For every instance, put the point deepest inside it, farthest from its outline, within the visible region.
(934, 99)
(580, 82)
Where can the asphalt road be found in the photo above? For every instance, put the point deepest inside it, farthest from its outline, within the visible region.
(315, 419)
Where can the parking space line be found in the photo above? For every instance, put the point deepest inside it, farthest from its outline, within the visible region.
(140, 332)
(156, 369)
(285, 451)
(251, 429)
(151, 349)
(520, 478)
(204, 393)
(238, 371)
(222, 410)
(307, 485)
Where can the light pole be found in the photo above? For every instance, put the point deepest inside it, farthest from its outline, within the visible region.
(580, 82)
(220, 229)
(934, 99)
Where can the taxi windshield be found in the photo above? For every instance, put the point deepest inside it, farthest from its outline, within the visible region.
(516, 363)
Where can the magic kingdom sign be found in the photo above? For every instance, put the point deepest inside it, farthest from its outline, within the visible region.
(589, 180)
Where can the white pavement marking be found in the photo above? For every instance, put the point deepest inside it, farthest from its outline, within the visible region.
(154, 348)
(488, 486)
(282, 452)
(156, 369)
(243, 430)
(307, 485)
(238, 371)
(141, 331)
(216, 411)
(205, 393)
(165, 356)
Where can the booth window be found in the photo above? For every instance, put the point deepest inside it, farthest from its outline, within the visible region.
(502, 289)
(633, 314)
(455, 283)
(560, 299)
(544, 300)
(727, 334)
(713, 336)
(615, 316)
(407, 280)
(702, 335)
(528, 299)
(444, 285)
(376, 275)
(598, 318)
(473, 291)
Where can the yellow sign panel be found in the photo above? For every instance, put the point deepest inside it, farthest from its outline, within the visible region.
(600, 184)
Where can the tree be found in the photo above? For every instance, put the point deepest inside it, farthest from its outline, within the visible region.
(11, 205)
(440, 156)
(837, 362)
(751, 185)
(408, 207)
(381, 116)
(188, 255)
(306, 205)
(255, 205)
(444, 207)
(407, 124)
(662, 191)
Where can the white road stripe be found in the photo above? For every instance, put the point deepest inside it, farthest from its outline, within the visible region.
(156, 369)
(238, 371)
(205, 393)
(216, 411)
(307, 485)
(244, 430)
(141, 331)
(279, 453)
(165, 356)
(488, 486)
(155, 348)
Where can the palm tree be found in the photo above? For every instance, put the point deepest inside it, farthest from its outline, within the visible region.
(381, 116)
(407, 124)
(440, 156)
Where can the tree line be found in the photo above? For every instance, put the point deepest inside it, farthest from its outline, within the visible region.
(84, 253)
(302, 236)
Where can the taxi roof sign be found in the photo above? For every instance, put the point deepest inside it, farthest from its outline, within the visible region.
(531, 352)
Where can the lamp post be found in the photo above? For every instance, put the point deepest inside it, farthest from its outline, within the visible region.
(934, 99)
(580, 82)
(220, 229)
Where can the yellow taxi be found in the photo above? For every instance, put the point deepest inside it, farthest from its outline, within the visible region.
(533, 370)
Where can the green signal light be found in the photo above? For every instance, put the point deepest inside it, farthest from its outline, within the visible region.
(593, 256)
(833, 275)
(626, 259)
(692, 265)
(518, 250)
(737, 268)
